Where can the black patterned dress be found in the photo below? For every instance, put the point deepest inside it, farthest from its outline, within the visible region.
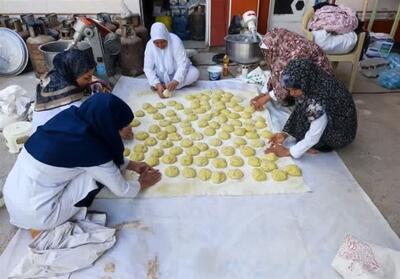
(321, 94)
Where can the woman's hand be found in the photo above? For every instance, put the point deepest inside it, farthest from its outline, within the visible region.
(139, 167)
(259, 102)
(172, 85)
(126, 133)
(278, 138)
(149, 178)
(160, 89)
(279, 150)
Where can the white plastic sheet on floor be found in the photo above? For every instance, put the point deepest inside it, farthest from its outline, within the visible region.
(292, 236)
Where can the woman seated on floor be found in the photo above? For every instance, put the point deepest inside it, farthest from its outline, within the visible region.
(279, 47)
(324, 116)
(66, 162)
(166, 64)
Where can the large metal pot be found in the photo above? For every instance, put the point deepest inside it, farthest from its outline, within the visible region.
(243, 49)
(50, 50)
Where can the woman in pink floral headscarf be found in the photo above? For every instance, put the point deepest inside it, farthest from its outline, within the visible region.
(279, 47)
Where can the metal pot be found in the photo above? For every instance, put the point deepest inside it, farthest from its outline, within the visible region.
(243, 49)
(51, 49)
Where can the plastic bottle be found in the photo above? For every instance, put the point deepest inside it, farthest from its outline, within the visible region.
(226, 64)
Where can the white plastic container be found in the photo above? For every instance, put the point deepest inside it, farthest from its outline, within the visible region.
(16, 134)
(214, 72)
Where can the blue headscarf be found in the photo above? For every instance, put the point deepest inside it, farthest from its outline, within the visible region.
(85, 136)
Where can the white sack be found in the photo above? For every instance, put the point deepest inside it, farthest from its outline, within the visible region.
(335, 44)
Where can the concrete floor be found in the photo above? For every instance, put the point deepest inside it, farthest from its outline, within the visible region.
(373, 159)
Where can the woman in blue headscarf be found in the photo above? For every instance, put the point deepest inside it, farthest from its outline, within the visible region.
(62, 165)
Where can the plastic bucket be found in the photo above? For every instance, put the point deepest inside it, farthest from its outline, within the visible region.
(51, 49)
(214, 72)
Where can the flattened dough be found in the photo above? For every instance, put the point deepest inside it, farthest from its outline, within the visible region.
(218, 177)
(154, 129)
(258, 174)
(219, 163)
(293, 170)
(204, 174)
(168, 159)
(228, 150)
(171, 171)
(201, 161)
(189, 172)
(235, 174)
(236, 161)
(279, 175)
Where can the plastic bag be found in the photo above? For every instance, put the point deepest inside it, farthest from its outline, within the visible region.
(390, 79)
(394, 60)
(14, 102)
(335, 44)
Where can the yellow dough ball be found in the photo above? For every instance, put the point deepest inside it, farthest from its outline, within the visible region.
(222, 119)
(152, 161)
(185, 124)
(218, 177)
(279, 175)
(234, 115)
(175, 119)
(186, 143)
(219, 163)
(235, 174)
(293, 170)
(254, 161)
(166, 144)
(239, 141)
(201, 146)
(188, 111)
(156, 152)
(141, 135)
(266, 134)
(135, 123)
(228, 128)
(211, 153)
(146, 106)
(193, 151)
(224, 135)
(204, 174)
(189, 172)
(154, 129)
(228, 150)
(196, 136)
(215, 142)
(236, 161)
(261, 119)
(168, 159)
(252, 135)
(214, 125)
(126, 152)
(170, 129)
(207, 117)
(201, 161)
(195, 105)
(139, 113)
(152, 110)
(136, 156)
(162, 135)
(186, 160)
(246, 115)
(250, 128)
(190, 97)
(249, 109)
(160, 106)
(260, 125)
(176, 150)
(141, 148)
(165, 123)
(258, 174)
(268, 166)
(235, 122)
(238, 108)
(225, 112)
(209, 131)
(247, 151)
(270, 157)
(170, 113)
(171, 171)
(188, 130)
(150, 141)
(257, 143)
(192, 117)
(179, 106)
(174, 137)
(200, 110)
(202, 123)
(171, 103)
(240, 131)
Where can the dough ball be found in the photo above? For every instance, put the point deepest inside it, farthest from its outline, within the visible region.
(209, 131)
(170, 129)
(162, 135)
(254, 161)
(192, 117)
(150, 141)
(258, 174)
(207, 117)
(240, 132)
(257, 143)
(193, 151)
(260, 125)
(141, 148)
(211, 153)
(152, 110)
(237, 99)
(252, 135)
(188, 130)
(170, 113)
(202, 123)
(279, 175)
(228, 150)
(126, 152)
(136, 156)
(176, 150)
(200, 110)
(250, 127)
(141, 135)
(166, 144)
(167, 94)
(249, 110)
(215, 142)
(152, 161)
(179, 106)
(235, 174)
(139, 113)
(236, 161)
(186, 160)
(268, 166)
(201, 146)
(174, 137)
(266, 134)
(219, 163)
(188, 111)
(154, 129)
(204, 174)
(235, 122)
(189, 172)
(201, 161)
(186, 143)
(190, 97)
(160, 106)
(218, 177)
(175, 119)
(246, 115)
(225, 112)
(270, 157)
(171, 103)
(171, 171)
(146, 106)
(293, 170)
(168, 159)
(224, 135)
(195, 104)
(228, 128)
(247, 151)
(222, 119)
(238, 108)
(135, 123)
(234, 115)
(239, 142)
(261, 119)
(214, 125)
(156, 152)
(196, 136)
(186, 124)
(165, 123)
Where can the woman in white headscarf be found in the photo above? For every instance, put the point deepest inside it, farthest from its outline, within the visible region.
(166, 64)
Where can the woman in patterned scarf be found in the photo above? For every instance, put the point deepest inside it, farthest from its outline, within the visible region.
(324, 117)
(279, 47)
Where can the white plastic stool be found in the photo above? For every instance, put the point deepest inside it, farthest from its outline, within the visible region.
(16, 134)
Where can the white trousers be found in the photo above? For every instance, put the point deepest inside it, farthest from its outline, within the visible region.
(191, 77)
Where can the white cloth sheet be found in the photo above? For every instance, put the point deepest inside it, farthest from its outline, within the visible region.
(275, 236)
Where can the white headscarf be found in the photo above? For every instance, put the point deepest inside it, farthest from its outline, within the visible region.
(163, 58)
